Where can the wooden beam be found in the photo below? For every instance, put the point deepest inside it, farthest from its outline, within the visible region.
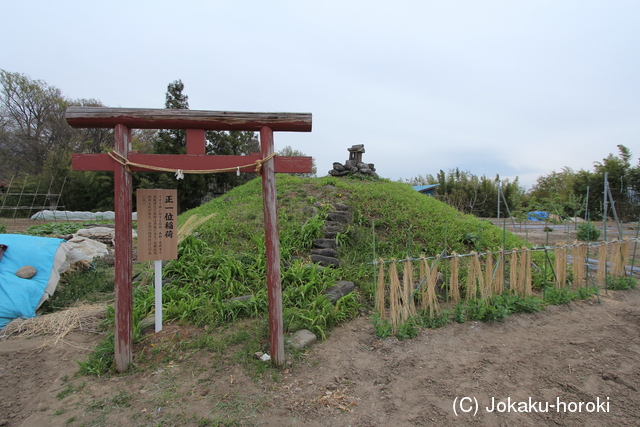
(196, 141)
(124, 252)
(141, 118)
(103, 162)
(272, 243)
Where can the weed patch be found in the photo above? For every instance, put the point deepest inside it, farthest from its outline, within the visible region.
(621, 283)
(53, 229)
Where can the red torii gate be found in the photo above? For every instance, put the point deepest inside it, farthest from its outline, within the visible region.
(196, 123)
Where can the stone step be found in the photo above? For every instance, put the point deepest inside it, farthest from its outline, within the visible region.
(325, 261)
(340, 289)
(325, 252)
(339, 216)
(333, 226)
(325, 243)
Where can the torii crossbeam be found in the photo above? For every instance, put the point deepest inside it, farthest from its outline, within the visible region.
(196, 123)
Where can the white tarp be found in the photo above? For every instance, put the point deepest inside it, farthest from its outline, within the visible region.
(77, 216)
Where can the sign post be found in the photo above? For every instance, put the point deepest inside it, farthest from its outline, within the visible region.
(157, 235)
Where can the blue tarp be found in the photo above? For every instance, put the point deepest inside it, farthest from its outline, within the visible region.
(537, 216)
(20, 297)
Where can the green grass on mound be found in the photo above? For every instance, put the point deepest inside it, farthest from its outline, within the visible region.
(220, 275)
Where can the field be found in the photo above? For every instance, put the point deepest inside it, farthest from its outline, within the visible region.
(585, 353)
(575, 364)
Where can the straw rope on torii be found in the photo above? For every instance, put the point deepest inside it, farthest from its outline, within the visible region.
(179, 172)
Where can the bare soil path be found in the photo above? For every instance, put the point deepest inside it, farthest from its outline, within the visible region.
(586, 353)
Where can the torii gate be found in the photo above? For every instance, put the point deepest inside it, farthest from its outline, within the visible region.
(196, 123)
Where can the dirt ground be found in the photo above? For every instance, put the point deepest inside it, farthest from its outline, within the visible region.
(574, 365)
(586, 353)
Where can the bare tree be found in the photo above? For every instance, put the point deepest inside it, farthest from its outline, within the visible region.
(32, 117)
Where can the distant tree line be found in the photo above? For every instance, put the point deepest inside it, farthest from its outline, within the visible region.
(36, 145)
(566, 193)
(472, 194)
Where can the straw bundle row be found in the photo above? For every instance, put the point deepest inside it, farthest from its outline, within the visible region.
(619, 258)
(561, 267)
(624, 256)
(601, 276)
(408, 306)
(615, 260)
(429, 296)
(484, 283)
(579, 254)
(488, 275)
(513, 271)
(475, 282)
(528, 278)
(394, 297)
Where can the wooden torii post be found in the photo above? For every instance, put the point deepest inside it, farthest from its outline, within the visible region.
(196, 123)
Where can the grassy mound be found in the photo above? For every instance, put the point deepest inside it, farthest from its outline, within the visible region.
(389, 220)
(220, 274)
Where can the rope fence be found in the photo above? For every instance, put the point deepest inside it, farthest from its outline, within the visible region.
(448, 279)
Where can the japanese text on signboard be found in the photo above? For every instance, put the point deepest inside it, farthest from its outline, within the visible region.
(157, 224)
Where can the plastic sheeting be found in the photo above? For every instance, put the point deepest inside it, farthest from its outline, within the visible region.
(77, 216)
(537, 216)
(19, 298)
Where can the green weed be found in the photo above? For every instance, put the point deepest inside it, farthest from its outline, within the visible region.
(555, 296)
(93, 285)
(69, 389)
(53, 229)
(588, 232)
(122, 399)
(100, 360)
(407, 329)
(621, 283)
(437, 321)
(459, 313)
(382, 327)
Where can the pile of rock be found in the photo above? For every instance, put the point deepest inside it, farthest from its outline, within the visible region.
(355, 165)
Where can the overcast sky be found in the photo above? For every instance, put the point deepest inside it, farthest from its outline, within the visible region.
(515, 88)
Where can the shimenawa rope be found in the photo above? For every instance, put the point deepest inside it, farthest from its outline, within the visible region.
(180, 172)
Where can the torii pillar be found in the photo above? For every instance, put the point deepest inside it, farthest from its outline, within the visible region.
(196, 123)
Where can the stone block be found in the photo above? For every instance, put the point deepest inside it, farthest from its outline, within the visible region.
(340, 289)
(325, 252)
(302, 338)
(324, 243)
(325, 261)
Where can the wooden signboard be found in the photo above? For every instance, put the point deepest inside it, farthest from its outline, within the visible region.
(157, 224)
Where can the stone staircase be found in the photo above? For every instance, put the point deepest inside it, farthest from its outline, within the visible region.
(325, 249)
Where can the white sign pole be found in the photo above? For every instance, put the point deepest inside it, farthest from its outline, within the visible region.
(157, 264)
(157, 236)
